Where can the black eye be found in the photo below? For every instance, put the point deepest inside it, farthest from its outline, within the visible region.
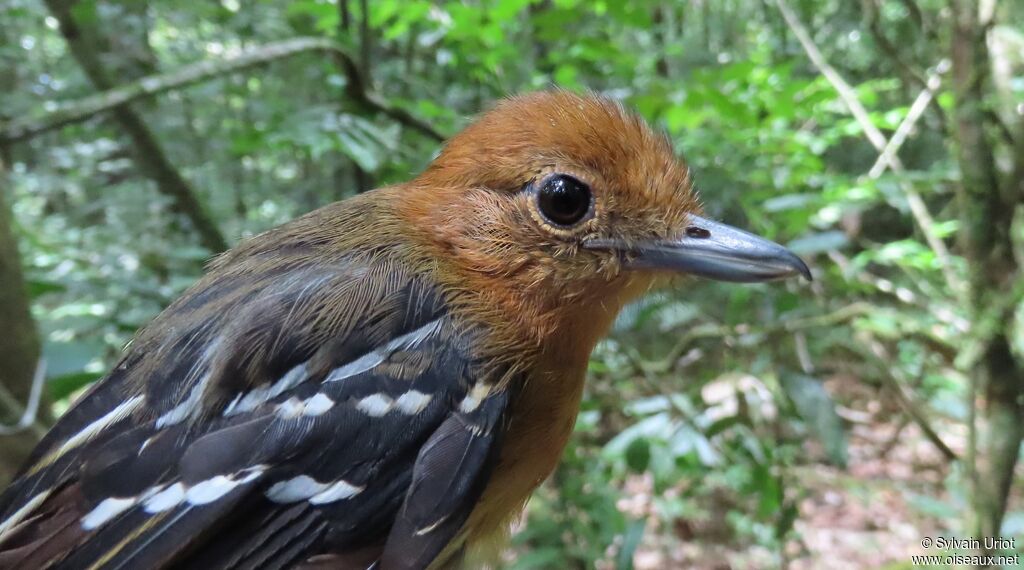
(563, 200)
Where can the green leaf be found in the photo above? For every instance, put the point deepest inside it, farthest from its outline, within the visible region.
(325, 13)
(659, 426)
(84, 13)
(638, 455)
(819, 242)
(688, 441)
(247, 142)
(634, 534)
(67, 357)
(790, 202)
(61, 387)
(37, 288)
(359, 149)
(566, 76)
(816, 407)
(539, 558)
(935, 507)
(508, 9)
(787, 518)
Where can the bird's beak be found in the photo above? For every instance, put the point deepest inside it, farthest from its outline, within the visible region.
(713, 250)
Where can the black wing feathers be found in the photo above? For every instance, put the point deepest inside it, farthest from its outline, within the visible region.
(450, 473)
(308, 411)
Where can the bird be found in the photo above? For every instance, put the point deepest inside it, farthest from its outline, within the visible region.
(383, 382)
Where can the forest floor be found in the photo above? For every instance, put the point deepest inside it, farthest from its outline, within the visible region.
(872, 515)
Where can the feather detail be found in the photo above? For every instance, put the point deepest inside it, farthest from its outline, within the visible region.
(309, 393)
(367, 382)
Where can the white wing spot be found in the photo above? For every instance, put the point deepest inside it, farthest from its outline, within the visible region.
(208, 491)
(429, 528)
(314, 406)
(160, 498)
(193, 403)
(165, 499)
(290, 408)
(412, 402)
(187, 408)
(376, 405)
(214, 488)
(318, 405)
(474, 398)
(250, 474)
(357, 366)
(106, 511)
(146, 443)
(257, 396)
(295, 489)
(337, 491)
(410, 340)
(304, 487)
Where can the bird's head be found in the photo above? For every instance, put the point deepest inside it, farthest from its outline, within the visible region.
(557, 197)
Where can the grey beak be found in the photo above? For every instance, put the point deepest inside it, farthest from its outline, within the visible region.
(713, 250)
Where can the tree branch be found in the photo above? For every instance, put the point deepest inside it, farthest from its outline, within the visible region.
(19, 349)
(29, 413)
(874, 21)
(712, 330)
(892, 376)
(892, 147)
(849, 97)
(909, 73)
(940, 311)
(83, 41)
(88, 107)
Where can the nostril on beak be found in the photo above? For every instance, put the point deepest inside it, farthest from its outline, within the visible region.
(697, 232)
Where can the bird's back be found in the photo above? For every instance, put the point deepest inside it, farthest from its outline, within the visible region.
(275, 412)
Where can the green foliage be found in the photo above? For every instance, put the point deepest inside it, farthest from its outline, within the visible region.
(815, 407)
(694, 398)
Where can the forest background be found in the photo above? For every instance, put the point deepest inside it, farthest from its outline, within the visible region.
(832, 424)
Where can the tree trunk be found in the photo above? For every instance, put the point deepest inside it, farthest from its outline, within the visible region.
(19, 348)
(988, 201)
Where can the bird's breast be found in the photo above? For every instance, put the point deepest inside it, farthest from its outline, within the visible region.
(541, 421)
(543, 413)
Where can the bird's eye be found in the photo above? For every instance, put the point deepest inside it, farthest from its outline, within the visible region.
(563, 200)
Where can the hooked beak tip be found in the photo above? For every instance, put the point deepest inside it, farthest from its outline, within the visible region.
(802, 269)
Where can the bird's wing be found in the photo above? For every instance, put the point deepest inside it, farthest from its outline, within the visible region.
(311, 410)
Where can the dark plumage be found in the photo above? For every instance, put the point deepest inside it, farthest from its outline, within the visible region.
(385, 379)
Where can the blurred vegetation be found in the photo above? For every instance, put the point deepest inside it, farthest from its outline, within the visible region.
(883, 140)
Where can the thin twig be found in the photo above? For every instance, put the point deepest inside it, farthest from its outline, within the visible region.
(892, 376)
(705, 331)
(890, 443)
(912, 75)
(905, 127)
(87, 107)
(849, 97)
(803, 355)
(940, 311)
(31, 410)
